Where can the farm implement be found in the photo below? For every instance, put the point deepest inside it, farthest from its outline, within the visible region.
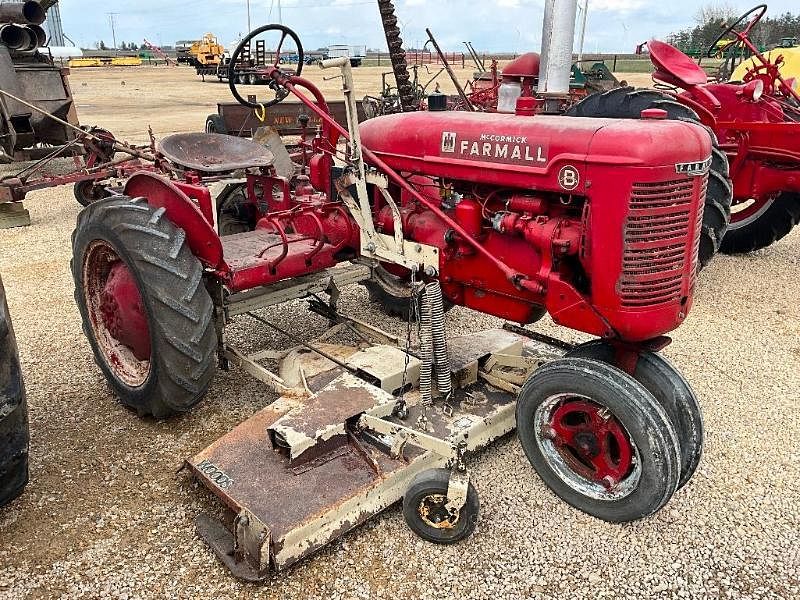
(756, 122)
(594, 221)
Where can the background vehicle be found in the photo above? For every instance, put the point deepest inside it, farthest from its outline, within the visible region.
(14, 437)
(356, 54)
(756, 121)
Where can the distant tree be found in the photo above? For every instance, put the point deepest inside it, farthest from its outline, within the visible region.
(711, 19)
(101, 45)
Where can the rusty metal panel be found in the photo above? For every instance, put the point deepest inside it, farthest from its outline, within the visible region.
(318, 426)
(241, 121)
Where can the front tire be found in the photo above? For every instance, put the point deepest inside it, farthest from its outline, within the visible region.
(761, 226)
(89, 191)
(145, 309)
(598, 439)
(628, 103)
(673, 393)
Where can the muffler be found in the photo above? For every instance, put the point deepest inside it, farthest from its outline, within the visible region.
(22, 13)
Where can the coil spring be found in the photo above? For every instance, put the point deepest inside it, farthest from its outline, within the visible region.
(426, 350)
(433, 345)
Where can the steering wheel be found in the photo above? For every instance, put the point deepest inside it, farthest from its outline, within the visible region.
(280, 93)
(759, 12)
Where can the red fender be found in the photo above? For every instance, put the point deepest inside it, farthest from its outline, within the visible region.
(163, 193)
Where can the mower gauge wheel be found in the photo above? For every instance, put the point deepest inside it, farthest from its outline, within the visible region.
(599, 439)
(425, 509)
(759, 12)
(280, 93)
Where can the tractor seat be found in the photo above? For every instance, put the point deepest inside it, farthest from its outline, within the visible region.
(674, 67)
(214, 152)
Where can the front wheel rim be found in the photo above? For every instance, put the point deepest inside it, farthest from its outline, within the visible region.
(116, 314)
(587, 447)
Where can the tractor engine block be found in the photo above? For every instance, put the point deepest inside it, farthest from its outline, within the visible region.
(602, 217)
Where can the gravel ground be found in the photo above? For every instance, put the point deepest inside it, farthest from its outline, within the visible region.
(106, 516)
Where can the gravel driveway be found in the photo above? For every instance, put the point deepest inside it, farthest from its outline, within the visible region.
(106, 516)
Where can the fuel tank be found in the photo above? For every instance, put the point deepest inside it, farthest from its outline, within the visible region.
(529, 152)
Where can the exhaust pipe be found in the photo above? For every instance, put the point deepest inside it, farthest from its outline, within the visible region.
(25, 13)
(558, 34)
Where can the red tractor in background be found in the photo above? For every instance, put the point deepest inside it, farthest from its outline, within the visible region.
(757, 123)
(594, 221)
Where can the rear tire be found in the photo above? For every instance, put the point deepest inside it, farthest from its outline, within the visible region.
(14, 436)
(175, 370)
(393, 294)
(628, 103)
(772, 223)
(598, 439)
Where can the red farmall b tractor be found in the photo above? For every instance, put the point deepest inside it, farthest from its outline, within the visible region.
(594, 221)
(756, 121)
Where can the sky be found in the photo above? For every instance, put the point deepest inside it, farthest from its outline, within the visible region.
(502, 25)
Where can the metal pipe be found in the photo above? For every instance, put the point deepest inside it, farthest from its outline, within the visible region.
(558, 34)
(453, 77)
(39, 34)
(582, 34)
(24, 13)
(17, 37)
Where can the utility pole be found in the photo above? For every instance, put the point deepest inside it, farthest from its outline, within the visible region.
(280, 13)
(249, 27)
(111, 16)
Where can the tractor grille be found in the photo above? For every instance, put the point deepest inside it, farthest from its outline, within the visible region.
(658, 228)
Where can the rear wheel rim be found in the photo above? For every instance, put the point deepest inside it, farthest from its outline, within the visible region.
(747, 212)
(587, 447)
(116, 314)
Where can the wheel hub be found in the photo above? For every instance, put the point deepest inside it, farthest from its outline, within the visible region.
(433, 512)
(123, 313)
(592, 442)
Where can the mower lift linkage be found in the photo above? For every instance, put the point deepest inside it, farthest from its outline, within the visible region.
(290, 82)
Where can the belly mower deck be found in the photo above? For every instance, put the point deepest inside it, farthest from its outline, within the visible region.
(331, 453)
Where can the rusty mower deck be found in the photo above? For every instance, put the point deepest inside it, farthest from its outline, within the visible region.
(331, 452)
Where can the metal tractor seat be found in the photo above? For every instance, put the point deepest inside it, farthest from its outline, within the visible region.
(214, 152)
(674, 67)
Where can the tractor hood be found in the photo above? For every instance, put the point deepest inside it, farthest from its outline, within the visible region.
(529, 151)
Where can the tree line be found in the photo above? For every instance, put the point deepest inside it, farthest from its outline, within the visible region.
(712, 19)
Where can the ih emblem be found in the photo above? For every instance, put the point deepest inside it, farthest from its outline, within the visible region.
(448, 141)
